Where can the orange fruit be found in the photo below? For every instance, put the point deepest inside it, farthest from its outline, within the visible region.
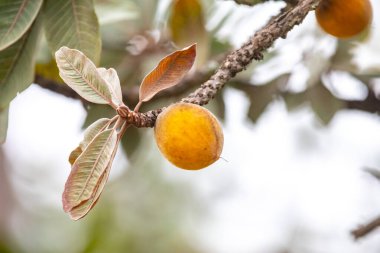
(189, 136)
(344, 18)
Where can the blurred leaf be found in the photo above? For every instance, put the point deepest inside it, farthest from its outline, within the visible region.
(294, 100)
(3, 124)
(131, 140)
(187, 26)
(169, 71)
(111, 77)
(90, 133)
(88, 169)
(17, 64)
(73, 24)
(49, 71)
(80, 73)
(373, 172)
(260, 97)
(16, 17)
(342, 59)
(323, 103)
(95, 112)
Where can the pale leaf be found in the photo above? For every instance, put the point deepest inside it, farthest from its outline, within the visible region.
(83, 208)
(16, 17)
(73, 24)
(17, 64)
(89, 134)
(110, 76)
(88, 169)
(169, 71)
(81, 75)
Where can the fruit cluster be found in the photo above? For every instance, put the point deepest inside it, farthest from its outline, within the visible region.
(344, 18)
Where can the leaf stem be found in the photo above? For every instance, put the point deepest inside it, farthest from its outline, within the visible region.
(137, 107)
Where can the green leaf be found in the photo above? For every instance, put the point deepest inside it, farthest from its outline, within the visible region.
(324, 104)
(88, 169)
(17, 65)
(3, 124)
(74, 24)
(90, 133)
(16, 17)
(80, 73)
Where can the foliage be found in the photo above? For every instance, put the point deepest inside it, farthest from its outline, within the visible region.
(92, 160)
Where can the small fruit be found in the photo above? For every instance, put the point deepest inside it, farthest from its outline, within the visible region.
(189, 136)
(344, 18)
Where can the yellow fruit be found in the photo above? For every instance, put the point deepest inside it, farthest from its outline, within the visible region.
(189, 136)
(344, 18)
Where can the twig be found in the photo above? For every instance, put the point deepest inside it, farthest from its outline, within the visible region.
(363, 230)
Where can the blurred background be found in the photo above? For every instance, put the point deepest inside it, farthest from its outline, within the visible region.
(302, 142)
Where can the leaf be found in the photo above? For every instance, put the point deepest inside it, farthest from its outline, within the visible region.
(83, 208)
(74, 24)
(88, 169)
(110, 76)
(90, 133)
(17, 65)
(187, 26)
(81, 75)
(3, 124)
(294, 100)
(16, 17)
(169, 71)
(324, 104)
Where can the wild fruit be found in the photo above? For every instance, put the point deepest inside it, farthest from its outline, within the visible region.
(189, 136)
(344, 18)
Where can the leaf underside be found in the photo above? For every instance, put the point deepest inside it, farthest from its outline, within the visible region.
(74, 24)
(16, 17)
(80, 73)
(111, 77)
(169, 71)
(17, 64)
(88, 169)
(90, 133)
(83, 208)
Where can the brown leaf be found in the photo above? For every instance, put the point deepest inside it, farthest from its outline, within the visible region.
(169, 71)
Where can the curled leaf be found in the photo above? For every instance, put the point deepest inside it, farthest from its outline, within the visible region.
(169, 71)
(83, 208)
(90, 133)
(88, 169)
(80, 73)
(110, 76)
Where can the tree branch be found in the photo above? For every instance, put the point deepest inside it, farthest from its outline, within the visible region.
(235, 62)
(365, 229)
(238, 60)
